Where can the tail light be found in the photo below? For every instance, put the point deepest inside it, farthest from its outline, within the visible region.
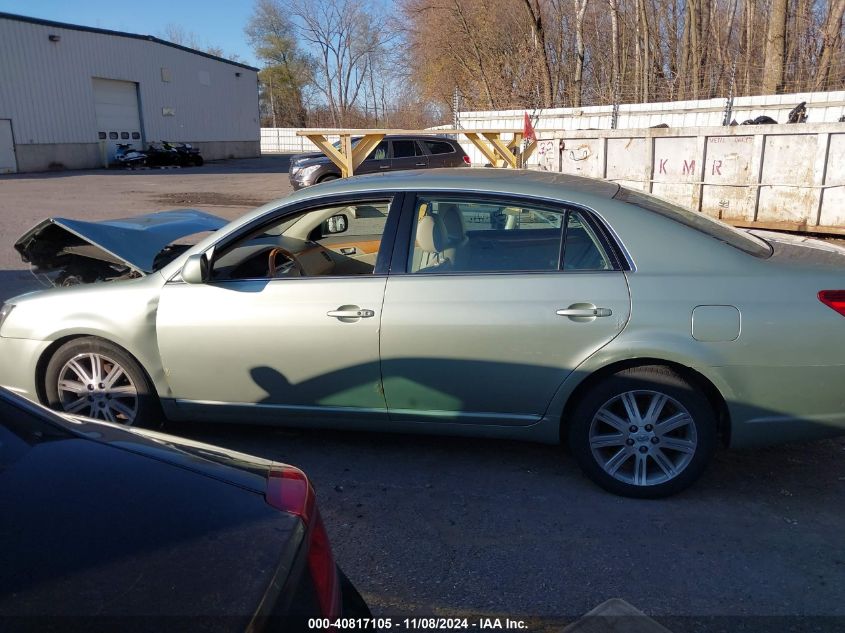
(467, 160)
(834, 299)
(289, 490)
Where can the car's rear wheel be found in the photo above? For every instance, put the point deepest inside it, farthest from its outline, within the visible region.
(643, 432)
(92, 377)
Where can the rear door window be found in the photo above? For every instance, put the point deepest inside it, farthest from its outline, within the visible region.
(456, 235)
(379, 153)
(439, 147)
(406, 149)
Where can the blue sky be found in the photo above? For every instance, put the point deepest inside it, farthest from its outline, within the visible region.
(213, 22)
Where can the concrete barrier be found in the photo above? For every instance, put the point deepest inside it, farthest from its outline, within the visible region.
(787, 177)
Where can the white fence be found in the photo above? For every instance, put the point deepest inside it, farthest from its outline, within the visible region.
(822, 107)
(283, 140)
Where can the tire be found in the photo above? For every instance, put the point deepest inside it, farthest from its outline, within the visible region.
(328, 177)
(617, 440)
(198, 160)
(131, 399)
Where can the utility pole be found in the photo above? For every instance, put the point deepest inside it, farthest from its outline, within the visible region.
(456, 103)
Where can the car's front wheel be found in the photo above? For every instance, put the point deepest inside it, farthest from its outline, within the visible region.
(92, 377)
(643, 432)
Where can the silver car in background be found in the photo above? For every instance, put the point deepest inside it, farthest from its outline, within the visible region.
(477, 302)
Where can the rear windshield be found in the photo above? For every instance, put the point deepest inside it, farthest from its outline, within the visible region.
(717, 229)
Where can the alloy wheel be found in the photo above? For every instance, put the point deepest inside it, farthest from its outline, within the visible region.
(96, 386)
(643, 437)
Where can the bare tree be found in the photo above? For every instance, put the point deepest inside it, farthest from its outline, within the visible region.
(287, 70)
(519, 53)
(614, 44)
(775, 45)
(344, 36)
(177, 34)
(580, 11)
(538, 34)
(831, 42)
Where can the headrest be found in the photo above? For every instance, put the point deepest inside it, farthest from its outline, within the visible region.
(453, 222)
(431, 235)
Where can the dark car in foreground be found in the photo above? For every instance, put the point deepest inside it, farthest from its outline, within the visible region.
(394, 153)
(102, 525)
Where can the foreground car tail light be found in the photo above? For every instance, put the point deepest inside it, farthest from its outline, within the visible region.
(833, 299)
(289, 490)
(467, 160)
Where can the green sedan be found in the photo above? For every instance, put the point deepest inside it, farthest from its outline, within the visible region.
(481, 302)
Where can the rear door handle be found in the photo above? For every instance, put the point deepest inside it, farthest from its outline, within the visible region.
(351, 313)
(585, 312)
(419, 164)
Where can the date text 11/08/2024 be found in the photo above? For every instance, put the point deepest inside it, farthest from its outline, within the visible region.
(386, 624)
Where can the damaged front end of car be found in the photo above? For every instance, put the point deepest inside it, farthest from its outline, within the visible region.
(65, 252)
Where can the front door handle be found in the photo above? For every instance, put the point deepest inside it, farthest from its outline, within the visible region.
(350, 312)
(419, 164)
(585, 312)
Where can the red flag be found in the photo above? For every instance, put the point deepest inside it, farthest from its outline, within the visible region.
(528, 129)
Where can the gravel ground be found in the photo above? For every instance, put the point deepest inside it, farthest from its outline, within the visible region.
(452, 526)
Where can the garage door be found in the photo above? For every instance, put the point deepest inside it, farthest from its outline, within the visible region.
(8, 164)
(116, 106)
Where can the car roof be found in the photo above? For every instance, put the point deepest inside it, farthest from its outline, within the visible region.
(416, 137)
(528, 182)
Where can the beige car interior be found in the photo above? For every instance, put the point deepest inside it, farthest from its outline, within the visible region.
(504, 238)
(296, 247)
(441, 240)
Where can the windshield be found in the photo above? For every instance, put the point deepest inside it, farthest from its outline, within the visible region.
(717, 229)
(355, 140)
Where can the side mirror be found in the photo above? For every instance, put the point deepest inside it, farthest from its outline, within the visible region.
(335, 224)
(195, 270)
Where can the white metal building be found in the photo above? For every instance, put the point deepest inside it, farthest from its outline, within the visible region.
(69, 94)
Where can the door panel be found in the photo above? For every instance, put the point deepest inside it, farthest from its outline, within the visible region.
(407, 154)
(377, 161)
(271, 343)
(473, 330)
(464, 346)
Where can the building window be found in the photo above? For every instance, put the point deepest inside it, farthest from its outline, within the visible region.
(101, 135)
(136, 135)
(113, 135)
(124, 135)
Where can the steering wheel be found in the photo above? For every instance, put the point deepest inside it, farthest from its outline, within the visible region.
(290, 268)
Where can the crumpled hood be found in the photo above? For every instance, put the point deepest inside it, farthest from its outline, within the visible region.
(132, 241)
